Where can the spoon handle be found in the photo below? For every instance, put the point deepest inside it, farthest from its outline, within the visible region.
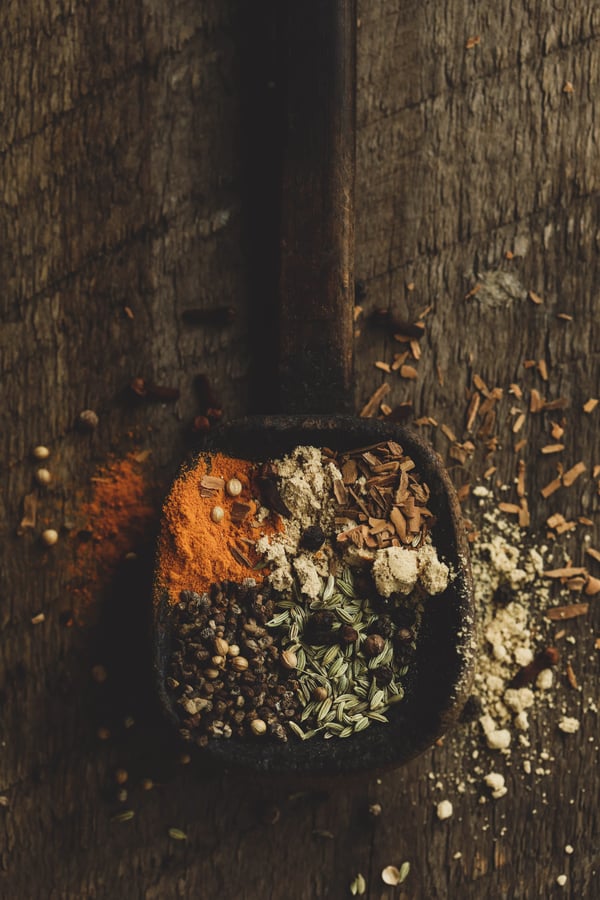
(317, 212)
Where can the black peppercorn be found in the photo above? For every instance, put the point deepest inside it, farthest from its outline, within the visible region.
(373, 645)
(382, 625)
(313, 538)
(504, 594)
(383, 674)
(318, 629)
(347, 635)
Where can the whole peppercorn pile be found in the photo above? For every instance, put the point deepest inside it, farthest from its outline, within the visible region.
(226, 673)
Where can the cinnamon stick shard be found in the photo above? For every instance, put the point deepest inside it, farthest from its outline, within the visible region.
(271, 497)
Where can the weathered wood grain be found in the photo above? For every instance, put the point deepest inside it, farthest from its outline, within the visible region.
(125, 168)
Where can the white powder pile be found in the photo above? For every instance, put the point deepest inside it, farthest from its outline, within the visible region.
(397, 570)
(305, 486)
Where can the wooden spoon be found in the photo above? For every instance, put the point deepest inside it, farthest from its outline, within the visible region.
(315, 372)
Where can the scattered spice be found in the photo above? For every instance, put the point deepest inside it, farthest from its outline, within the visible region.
(116, 514)
(88, 420)
(43, 477)
(49, 537)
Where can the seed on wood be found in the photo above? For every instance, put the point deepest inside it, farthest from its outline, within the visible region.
(49, 537)
(543, 369)
(99, 674)
(590, 405)
(470, 43)
(565, 317)
(38, 619)
(177, 834)
(88, 420)
(519, 445)
(40, 452)
(125, 816)
(43, 477)
(552, 448)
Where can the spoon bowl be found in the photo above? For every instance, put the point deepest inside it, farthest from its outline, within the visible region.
(443, 669)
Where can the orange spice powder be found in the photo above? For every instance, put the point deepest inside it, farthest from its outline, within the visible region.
(194, 551)
(119, 513)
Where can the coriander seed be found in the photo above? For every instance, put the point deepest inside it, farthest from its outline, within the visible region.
(43, 477)
(88, 420)
(233, 650)
(40, 452)
(217, 514)
(257, 726)
(239, 663)
(234, 487)
(221, 646)
(289, 659)
(49, 537)
(211, 673)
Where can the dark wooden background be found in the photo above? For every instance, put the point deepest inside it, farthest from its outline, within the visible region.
(131, 174)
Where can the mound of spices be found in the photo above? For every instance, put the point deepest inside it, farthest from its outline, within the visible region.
(298, 587)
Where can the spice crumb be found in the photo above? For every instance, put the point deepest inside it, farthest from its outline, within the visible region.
(444, 809)
(569, 725)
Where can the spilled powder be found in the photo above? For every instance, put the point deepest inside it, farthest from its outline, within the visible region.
(118, 513)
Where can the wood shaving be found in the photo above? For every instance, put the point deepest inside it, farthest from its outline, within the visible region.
(472, 411)
(372, 405)
(512, 508)
(590, 405)
(519, 422)
(408, 372)
(592, 586)
(516, 391)
(543, 369)
(573, 474)
(571, 677)
(595, 554)
(565, 572)
(571, 611)
(385, 367)
(565, 317)
(550, 488)
(556, 431)
(536, 401)
(519, 445)
(552, 448)
(473, 42)
(535, 298)
(28, 519)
